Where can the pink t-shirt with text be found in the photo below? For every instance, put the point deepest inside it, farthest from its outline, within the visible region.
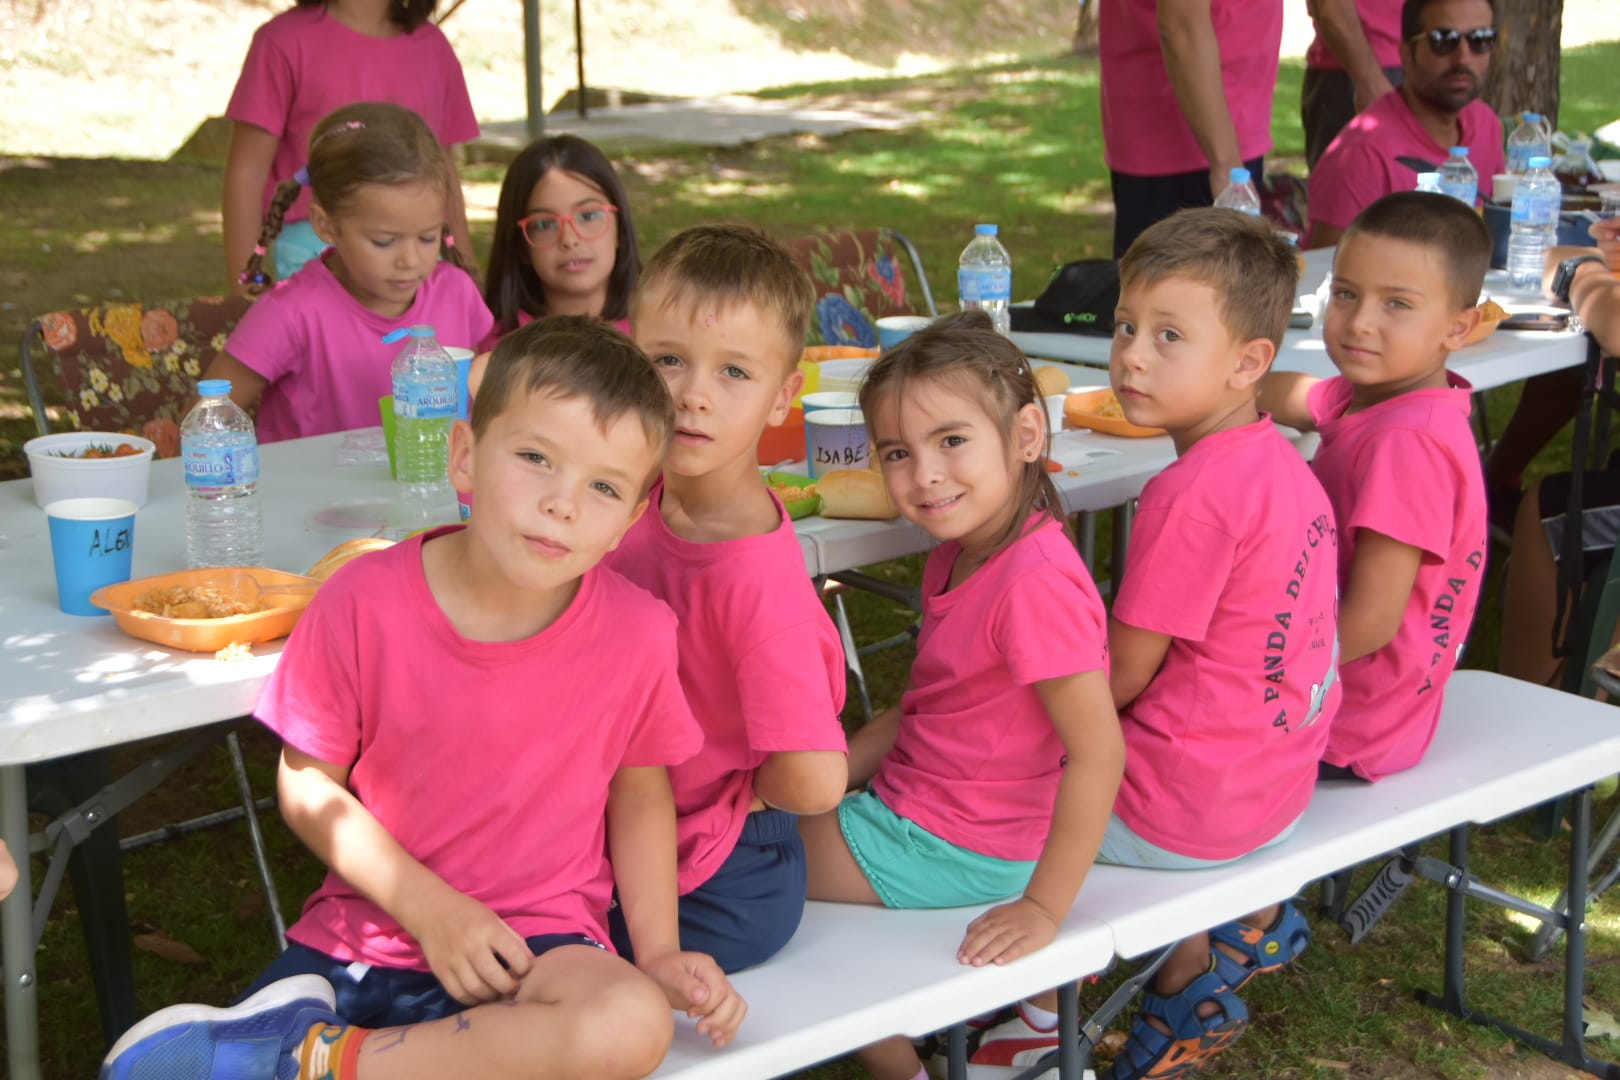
(760, 663)
(1144, 130)
(1407, 468)
(489, 762)
(1232, 555)
(977, 759)
(322, 350)
(304, 64)
(1381, 22)
(1360, 166)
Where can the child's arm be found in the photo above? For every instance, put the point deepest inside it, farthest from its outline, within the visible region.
(8, 871)
(246, 384)
(1382, 574)
(1135, 656)
(1283, 394)
(247, 168)
(1083, 713)
(641, 845)
(465, 942)
(802, 781)
(870, 745)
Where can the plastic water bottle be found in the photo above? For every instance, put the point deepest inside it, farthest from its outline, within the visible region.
(1240, 194)
(1458, 178)
(1428, 181)
(1536, 201)
(984, 277)
(424, 408)
(221, 456)
(1530, 139)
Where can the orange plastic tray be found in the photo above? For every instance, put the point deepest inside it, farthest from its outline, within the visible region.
(209, 635)
(1082, 410)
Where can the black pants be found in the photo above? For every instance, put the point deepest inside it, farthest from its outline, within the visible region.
(1327, 102)
(1141, 201)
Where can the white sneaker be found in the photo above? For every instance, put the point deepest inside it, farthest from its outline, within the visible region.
(1006, 1050)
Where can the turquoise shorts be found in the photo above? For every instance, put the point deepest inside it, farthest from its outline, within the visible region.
(296, 245)
(910, 867)
(1122, 846)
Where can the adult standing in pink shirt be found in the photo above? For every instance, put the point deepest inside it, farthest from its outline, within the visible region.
(304, 64)
(1446, 48)
(1354, 60)
(1186, 97)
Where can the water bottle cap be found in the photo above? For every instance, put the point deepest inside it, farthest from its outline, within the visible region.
(214, 388)
(985, 230)
(1460, 151)
(1540, 161)
(1239, 175)
(403, 332)
(1533, 117)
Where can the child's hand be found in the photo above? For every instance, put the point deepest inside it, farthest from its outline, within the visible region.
(8, 871)
(470, 949)
(1006, 932)
(694, 983)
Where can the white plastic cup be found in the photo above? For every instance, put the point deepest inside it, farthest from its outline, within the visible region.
(830, 399)
(1502, 187)
(836, 439)
(1054, 412)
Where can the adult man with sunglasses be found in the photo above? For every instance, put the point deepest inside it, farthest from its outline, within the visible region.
(1446, 48)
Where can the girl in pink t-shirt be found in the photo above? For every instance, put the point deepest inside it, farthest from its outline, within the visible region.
(565, 243)
(996, 775)
(312, 347)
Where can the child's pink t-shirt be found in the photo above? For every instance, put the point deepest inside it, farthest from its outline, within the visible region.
(489, 762)
(1232, 555)
(1144, 130)
(977, 759)
(1407, 468)
(1360, 166)
(304, 64)
(760, 663)
(322, 350)
(1381, 22)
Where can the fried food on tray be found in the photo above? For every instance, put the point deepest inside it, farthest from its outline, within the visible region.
(194, 602)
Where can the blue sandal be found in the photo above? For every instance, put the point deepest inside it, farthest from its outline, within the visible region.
(1150, 1054)
(1263, 950)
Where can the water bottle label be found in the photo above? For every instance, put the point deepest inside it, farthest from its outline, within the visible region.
(984, 284)
(425, 400)
(221, 466)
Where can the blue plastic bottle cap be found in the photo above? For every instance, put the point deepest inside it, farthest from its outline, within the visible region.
(1239, 175)
(1533, 117)
(985, 230)
(214, 388)
(1540, 162)
(1460, 151)
(401, 333)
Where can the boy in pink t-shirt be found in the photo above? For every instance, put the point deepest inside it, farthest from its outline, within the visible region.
(476, 722)
(1222, 633)
(1399, 461)
(722, 313)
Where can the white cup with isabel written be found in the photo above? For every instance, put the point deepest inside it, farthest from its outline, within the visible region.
(836, 439)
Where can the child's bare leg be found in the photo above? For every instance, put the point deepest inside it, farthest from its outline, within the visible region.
(579, 1012)
(833, 872)
(1531, 595)
(892, 1059)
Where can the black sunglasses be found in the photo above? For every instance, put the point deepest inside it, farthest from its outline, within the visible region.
(1445, 42)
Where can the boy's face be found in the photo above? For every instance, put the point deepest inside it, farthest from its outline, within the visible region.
(1175, 365)
(730, 372)
(556, 491)
(1391, 322)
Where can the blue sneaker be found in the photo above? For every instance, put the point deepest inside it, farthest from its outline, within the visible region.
(256, 1040)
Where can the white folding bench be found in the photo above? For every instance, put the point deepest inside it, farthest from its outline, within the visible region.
(853, 975)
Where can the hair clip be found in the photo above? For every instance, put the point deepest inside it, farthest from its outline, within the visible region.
(302, 176)
(258, 249)
(449, 240)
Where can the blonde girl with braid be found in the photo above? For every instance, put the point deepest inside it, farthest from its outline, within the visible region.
(310, 353)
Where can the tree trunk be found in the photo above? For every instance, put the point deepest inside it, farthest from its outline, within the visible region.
(1524, 73)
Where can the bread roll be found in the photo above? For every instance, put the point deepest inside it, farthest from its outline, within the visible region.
(328, 564)
(855, 493)
(1051, 380)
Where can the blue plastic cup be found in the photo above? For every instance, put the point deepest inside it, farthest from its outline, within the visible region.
(463, 359)
(893, 329)
(92, 544)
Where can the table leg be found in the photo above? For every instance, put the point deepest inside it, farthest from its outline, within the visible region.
(17, 932)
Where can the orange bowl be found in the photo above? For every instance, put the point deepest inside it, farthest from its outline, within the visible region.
(784, 442)
(1085, 409)
(210, 635)
(817, 353)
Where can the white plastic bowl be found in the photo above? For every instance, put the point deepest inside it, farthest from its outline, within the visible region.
(60, 477)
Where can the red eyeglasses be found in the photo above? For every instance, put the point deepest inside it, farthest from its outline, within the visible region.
(544, 230)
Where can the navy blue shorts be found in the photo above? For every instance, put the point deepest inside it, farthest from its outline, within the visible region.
(380, 997)
(748, 910)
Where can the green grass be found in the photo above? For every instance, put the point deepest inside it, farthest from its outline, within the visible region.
(1019, 142)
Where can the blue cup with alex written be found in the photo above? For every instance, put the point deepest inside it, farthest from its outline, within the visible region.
(92, 544)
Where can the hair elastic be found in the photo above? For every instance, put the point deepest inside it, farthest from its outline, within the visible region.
(302, 176)
(449, 240)
(258, 249)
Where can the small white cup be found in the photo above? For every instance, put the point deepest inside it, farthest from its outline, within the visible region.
(1502, 187)
(1054, 412)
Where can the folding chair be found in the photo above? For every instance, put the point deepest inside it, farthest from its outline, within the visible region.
(860, 278)
(125, 367)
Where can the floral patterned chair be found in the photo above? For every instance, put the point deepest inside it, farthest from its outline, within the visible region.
(859, 278)
(126, 367)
